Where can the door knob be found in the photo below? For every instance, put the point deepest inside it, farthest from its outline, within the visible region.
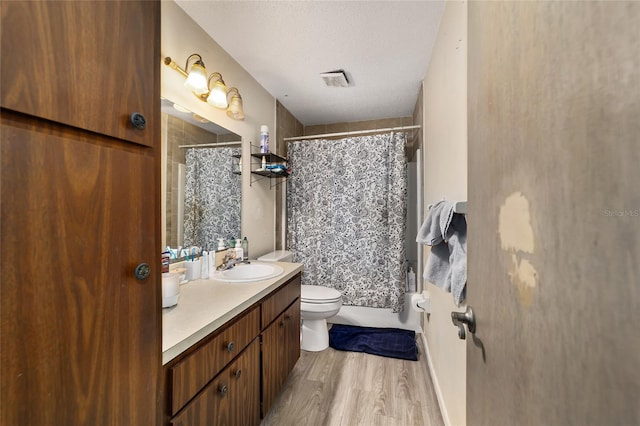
(138, 121)
(142, 271)
(461, 318)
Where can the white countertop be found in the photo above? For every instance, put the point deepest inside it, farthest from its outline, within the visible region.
(205, 305)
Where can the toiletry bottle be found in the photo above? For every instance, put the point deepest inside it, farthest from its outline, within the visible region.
(239, 252)
(165, 261)
(221, 244)
(264, 139)
(245, 248)
(411, 276)
(264, 163)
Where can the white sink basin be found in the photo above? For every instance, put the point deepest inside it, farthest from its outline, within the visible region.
(245, 273)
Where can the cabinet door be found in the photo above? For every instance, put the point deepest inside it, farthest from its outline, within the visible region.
(80, 334)
(292, 337)
(232, 398)
(86, 64)
(280, 352)
(273, 355)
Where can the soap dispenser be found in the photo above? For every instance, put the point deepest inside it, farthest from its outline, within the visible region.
(221, 244)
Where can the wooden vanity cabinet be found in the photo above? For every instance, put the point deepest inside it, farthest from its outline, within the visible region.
(231, 398)
(233, 376)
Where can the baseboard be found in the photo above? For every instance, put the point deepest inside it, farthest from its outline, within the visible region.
(436, 383)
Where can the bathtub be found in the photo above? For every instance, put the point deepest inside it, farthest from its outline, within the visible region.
(409, 319)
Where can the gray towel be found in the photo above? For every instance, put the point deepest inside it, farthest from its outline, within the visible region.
(446, 232)
(435, 228)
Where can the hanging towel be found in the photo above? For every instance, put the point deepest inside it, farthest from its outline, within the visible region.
(446, 233)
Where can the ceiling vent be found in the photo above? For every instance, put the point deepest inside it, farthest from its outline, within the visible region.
(335, 78)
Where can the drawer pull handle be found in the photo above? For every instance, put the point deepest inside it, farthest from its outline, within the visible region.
(238, 374)
(223, 390)
(230, 347)
(282, 323)
(287, 317)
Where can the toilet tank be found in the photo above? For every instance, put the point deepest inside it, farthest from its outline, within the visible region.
(277, 256)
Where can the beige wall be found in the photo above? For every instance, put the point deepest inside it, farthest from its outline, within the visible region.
(351, 126)
(445, 176)
(288, 126)
(180, 37)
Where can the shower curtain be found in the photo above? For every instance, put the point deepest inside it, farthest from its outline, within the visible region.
(213, 197)
(346, 216)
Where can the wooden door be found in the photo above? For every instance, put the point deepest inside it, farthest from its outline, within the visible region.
(554, 213)
(79, 212)
(85, 64)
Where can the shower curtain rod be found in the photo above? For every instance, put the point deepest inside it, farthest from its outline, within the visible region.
(355, 132)
(209, 145)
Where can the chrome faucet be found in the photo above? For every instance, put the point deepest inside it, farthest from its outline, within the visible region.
(229, 260)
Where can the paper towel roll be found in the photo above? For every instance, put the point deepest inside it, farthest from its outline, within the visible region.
(420, 303)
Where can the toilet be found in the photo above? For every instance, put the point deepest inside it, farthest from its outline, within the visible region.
(317, 304)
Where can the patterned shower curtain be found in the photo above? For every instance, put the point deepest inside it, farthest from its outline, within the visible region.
(213, 197)
(346, 216)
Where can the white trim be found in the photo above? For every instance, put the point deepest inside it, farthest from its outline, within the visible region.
(420, 218)
(436, 385)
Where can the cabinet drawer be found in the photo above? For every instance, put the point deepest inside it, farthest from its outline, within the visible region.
(278, 302)
(232, 398)
(191, 374)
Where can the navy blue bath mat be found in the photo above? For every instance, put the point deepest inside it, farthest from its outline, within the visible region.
(389, 342)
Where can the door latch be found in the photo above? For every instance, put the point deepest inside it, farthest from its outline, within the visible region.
(461, 318)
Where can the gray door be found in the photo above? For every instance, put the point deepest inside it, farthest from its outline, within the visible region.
(554, 213)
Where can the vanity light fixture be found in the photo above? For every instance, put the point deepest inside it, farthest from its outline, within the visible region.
(180, 108)
(235, 109)
(218, 93)
(212, 90)
(197, 77)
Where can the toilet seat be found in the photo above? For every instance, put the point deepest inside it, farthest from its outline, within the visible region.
(319, 294)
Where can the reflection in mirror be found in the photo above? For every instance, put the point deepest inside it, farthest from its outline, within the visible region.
(203, 182)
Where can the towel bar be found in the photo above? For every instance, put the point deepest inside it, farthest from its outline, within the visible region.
(459, 207)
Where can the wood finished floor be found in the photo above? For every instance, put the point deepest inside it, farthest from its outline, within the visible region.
(351, 389)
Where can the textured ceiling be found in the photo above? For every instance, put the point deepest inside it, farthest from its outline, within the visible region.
(383, 46)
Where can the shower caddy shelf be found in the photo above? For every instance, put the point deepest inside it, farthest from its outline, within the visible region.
(270, 158)
(237, 171)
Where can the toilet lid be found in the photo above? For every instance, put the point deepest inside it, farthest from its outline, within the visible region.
(318, 294)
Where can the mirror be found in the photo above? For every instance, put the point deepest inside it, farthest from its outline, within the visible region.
(201, 174)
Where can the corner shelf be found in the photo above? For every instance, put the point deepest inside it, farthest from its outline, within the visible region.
(270, 158)
(236, 171)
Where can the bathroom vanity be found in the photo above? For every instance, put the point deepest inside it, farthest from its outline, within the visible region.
(229, 347)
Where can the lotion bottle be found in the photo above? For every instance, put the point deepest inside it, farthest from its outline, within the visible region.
(411, 276)
(239, 251)
(245, 248)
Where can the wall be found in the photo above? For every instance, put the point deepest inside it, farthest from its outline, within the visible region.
(287, 126)
(445, 176)
(358, 125)
(180, 37)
